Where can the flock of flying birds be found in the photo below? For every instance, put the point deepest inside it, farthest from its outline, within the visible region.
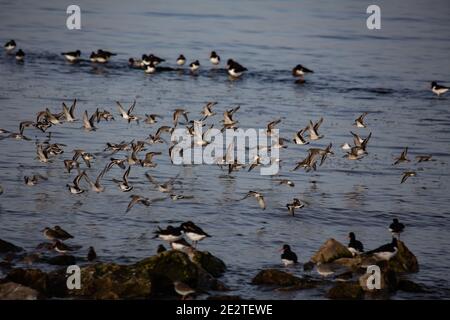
(49, 151)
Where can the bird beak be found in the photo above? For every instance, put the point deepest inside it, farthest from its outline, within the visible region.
(281, 250)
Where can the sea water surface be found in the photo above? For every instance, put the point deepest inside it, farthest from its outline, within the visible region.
(384, 72)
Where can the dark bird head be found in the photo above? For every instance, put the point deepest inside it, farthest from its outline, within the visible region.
(285, 248)
(351, 236)
(395, 220)
(78, 52)
(213, 54)
(230, 62)
(433, 84)
(131, 61)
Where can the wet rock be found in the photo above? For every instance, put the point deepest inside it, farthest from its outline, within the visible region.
(346, 276)
(284, 279)
(410, 286)
(6, 246)
(112, 281)
(404, 260)
(62, 260)
(16, 291)
(210, 263)
(346, 291)
(351, 263)
(330, 251)
(33, 278)
(31, 258)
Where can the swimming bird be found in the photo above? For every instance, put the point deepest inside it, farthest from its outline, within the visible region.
(88, 123)
(107, 54)
(156, 60)
(354, 246)
(438, 89)
(124, 185)
(33, 180)
(183, 289)
(423, 158)
(75, 187)
(385, 252)
(69, 114)
(193, 232)
(403, 157)
(92, 255)
(235, 70)
(408, 174)
(150, 68)
(135, 63)
(169, 234)
(137, 199)
(214, 58)
(62, 234)
(127, 115)
(72, 56)
(287, 182)
(396, 228)
(258, 196)
(98, 57)
(10, 45)
(359, 122)
(1, 190)
(193, 66)
(181, 60)
(295, 204)
(288, 257)
(300, 71)
(20, 55)
(162, 187)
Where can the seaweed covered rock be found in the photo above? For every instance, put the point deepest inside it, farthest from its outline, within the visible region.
(346, 291)
(16, 291)
(404, 260)
(33, 278)
(283, 279)
(6, 247)
(210, 263)
(330, 251)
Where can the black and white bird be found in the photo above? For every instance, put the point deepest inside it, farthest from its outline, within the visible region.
(193, 232)
(72, 56)
(385, 252)
(438, 89)
(193, 66)
(354, 246)
(181, 60)
(150, 68)
(10, 45)
(288, 257)
(214, 58)
(20, 55)
(235, 70)
(300, 71)
(156, 60)
(396, 228)
(92, 255)
(170, 234)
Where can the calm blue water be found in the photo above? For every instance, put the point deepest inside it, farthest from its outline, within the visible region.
(385, 72)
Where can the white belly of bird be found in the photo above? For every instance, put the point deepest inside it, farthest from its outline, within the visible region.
(194, 67)
(101, 60)
(385, 255)
(214, 61)
(169, 238)
(287, 262)
(70, 58)
(233, 73)
(150, 70)
(195, 236)
(180, 62)
(9, 48)
(178, 246)
(299, 73)
(440, 91)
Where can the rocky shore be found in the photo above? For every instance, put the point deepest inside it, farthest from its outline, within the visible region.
(331, 270)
